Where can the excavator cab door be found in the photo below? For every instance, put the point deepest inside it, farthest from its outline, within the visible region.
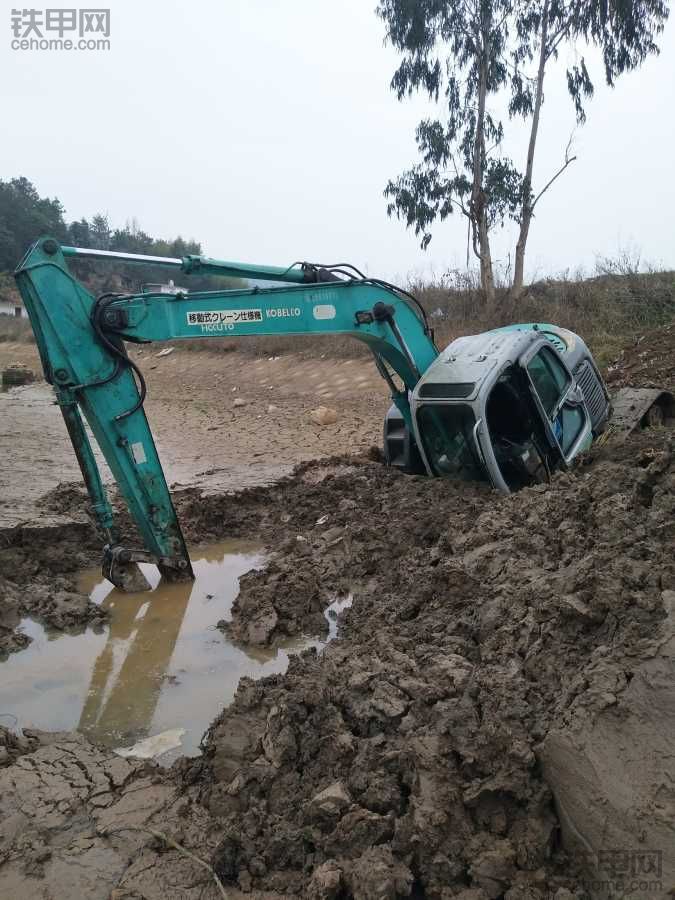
(559, 400)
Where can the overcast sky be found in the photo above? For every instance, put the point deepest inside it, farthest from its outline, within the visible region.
(267, 130)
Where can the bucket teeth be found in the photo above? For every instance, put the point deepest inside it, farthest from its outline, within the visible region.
(127, 576)
(123, 572)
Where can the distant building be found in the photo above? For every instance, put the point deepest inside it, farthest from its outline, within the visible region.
(169, 288)
(13, 308)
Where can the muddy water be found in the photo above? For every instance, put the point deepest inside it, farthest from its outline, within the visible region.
(158, 664)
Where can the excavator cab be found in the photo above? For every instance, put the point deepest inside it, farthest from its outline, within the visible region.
(503, 407)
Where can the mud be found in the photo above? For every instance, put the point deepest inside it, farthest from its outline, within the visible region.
(489, 637)
(190, 394)
(39, 565)
(648, 362)
(507, 663)
(496, 719)
(40, 562)
(38, 578)
(341, 521)
(74, 822)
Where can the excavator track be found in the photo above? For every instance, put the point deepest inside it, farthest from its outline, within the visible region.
(635, 407)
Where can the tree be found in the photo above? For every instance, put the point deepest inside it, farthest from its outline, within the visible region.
(490, 48)
(100, 233)
(624, 30)
(459, 168)
(24, 216)
(79, 234)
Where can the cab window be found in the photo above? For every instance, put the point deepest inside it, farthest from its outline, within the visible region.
(571, 420)
(549, 377)
(446, 430)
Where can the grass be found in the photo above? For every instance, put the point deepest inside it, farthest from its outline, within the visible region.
(607, 310)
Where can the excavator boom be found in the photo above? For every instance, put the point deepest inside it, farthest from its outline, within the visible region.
(81, 340)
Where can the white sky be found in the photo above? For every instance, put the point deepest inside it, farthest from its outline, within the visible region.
(267, 131)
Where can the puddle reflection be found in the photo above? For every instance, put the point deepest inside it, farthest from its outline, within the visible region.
(158, 664)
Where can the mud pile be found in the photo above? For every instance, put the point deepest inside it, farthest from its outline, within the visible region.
(496, 648)
(38, 569)
(13, 745)
(648, 362)
(341, 523)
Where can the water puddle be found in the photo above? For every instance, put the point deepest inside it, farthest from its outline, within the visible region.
(158, 664)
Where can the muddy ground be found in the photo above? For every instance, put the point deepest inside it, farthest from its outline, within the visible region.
(204, 440)
(648, 361)
(496, 720)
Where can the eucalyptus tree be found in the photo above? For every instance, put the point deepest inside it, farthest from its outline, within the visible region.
(471, 52)
(624, 31)
(458, 50)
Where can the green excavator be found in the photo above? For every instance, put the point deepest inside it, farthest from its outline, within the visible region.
(507, 407)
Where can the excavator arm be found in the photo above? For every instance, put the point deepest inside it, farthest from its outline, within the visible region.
(81, 340)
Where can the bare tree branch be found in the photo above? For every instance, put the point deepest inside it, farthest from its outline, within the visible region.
(556, 38)
(568, 161)
(461, 207)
